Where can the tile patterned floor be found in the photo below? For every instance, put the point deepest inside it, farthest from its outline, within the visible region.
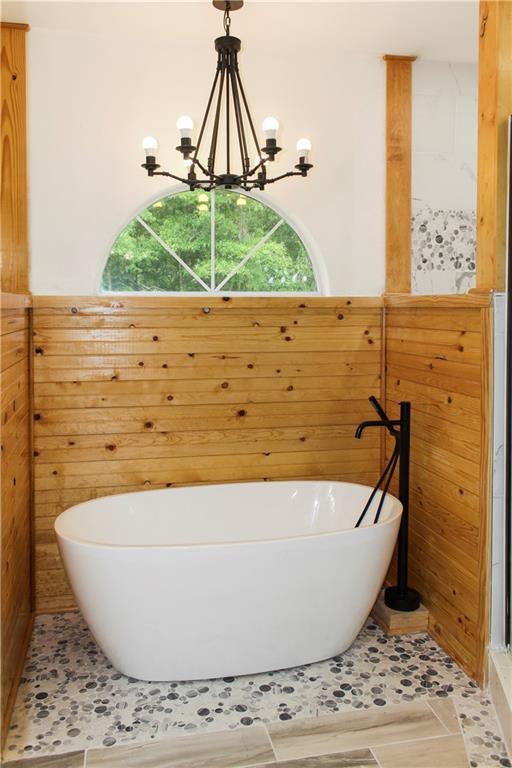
(71, 699)
(399, 736)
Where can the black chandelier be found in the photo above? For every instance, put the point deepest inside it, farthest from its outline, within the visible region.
(229, 104)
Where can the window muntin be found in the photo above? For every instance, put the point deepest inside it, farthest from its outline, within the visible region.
(216, 241)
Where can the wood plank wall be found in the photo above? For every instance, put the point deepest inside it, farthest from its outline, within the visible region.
(15, 511)
(151, 392)
(438, 357)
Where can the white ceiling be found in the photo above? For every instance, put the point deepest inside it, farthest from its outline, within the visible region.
(435, 30)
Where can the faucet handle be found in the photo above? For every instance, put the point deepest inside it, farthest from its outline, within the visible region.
(377, 407)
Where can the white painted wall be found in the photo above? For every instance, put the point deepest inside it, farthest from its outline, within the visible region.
(103, 76)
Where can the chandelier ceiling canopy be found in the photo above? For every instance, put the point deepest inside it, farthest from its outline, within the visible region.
(227, 106)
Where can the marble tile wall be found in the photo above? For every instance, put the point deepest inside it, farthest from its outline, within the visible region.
(444, 158)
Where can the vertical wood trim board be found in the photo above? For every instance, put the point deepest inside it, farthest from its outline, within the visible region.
(494, 107)
(398, 172)
(439, 358)
(152, 392)
(15, 510)
(13, 233)
(486, 470)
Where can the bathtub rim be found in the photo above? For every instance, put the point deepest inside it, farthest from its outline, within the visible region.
(218, 544)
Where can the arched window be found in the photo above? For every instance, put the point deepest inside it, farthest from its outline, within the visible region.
(209, 241)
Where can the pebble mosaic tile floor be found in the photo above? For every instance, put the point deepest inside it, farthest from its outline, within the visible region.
(71, 698)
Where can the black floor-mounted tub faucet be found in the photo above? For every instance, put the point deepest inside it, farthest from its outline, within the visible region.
(401, 597)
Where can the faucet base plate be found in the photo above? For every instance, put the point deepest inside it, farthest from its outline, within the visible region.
(398, 600)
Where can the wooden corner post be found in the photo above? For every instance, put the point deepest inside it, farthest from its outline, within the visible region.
(14, 231)
(494, 107)
(398, 172)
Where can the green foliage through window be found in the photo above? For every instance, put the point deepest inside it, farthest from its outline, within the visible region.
(200, 241)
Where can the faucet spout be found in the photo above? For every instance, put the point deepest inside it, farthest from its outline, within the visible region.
(390, 424)
(364, 424)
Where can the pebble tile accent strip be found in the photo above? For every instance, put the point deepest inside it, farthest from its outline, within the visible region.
(71, 698)
(444, 241)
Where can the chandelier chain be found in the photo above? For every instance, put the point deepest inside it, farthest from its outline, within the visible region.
(227, 18)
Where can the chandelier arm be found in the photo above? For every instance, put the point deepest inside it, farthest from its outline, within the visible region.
(249, 117)
(212, 177)
(251, 171)
(215, 132)
(228, 110)
(204, 170)
(283, 176)
(242, 142)
(236, 108)
(171, 176)
(208, 106)
(197, 183)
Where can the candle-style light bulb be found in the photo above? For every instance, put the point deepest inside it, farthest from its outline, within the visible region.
(270, 127)
(304, 148)
(185, 126)
(150, 146)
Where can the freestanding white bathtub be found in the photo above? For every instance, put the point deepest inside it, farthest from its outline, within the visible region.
(211, 581)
